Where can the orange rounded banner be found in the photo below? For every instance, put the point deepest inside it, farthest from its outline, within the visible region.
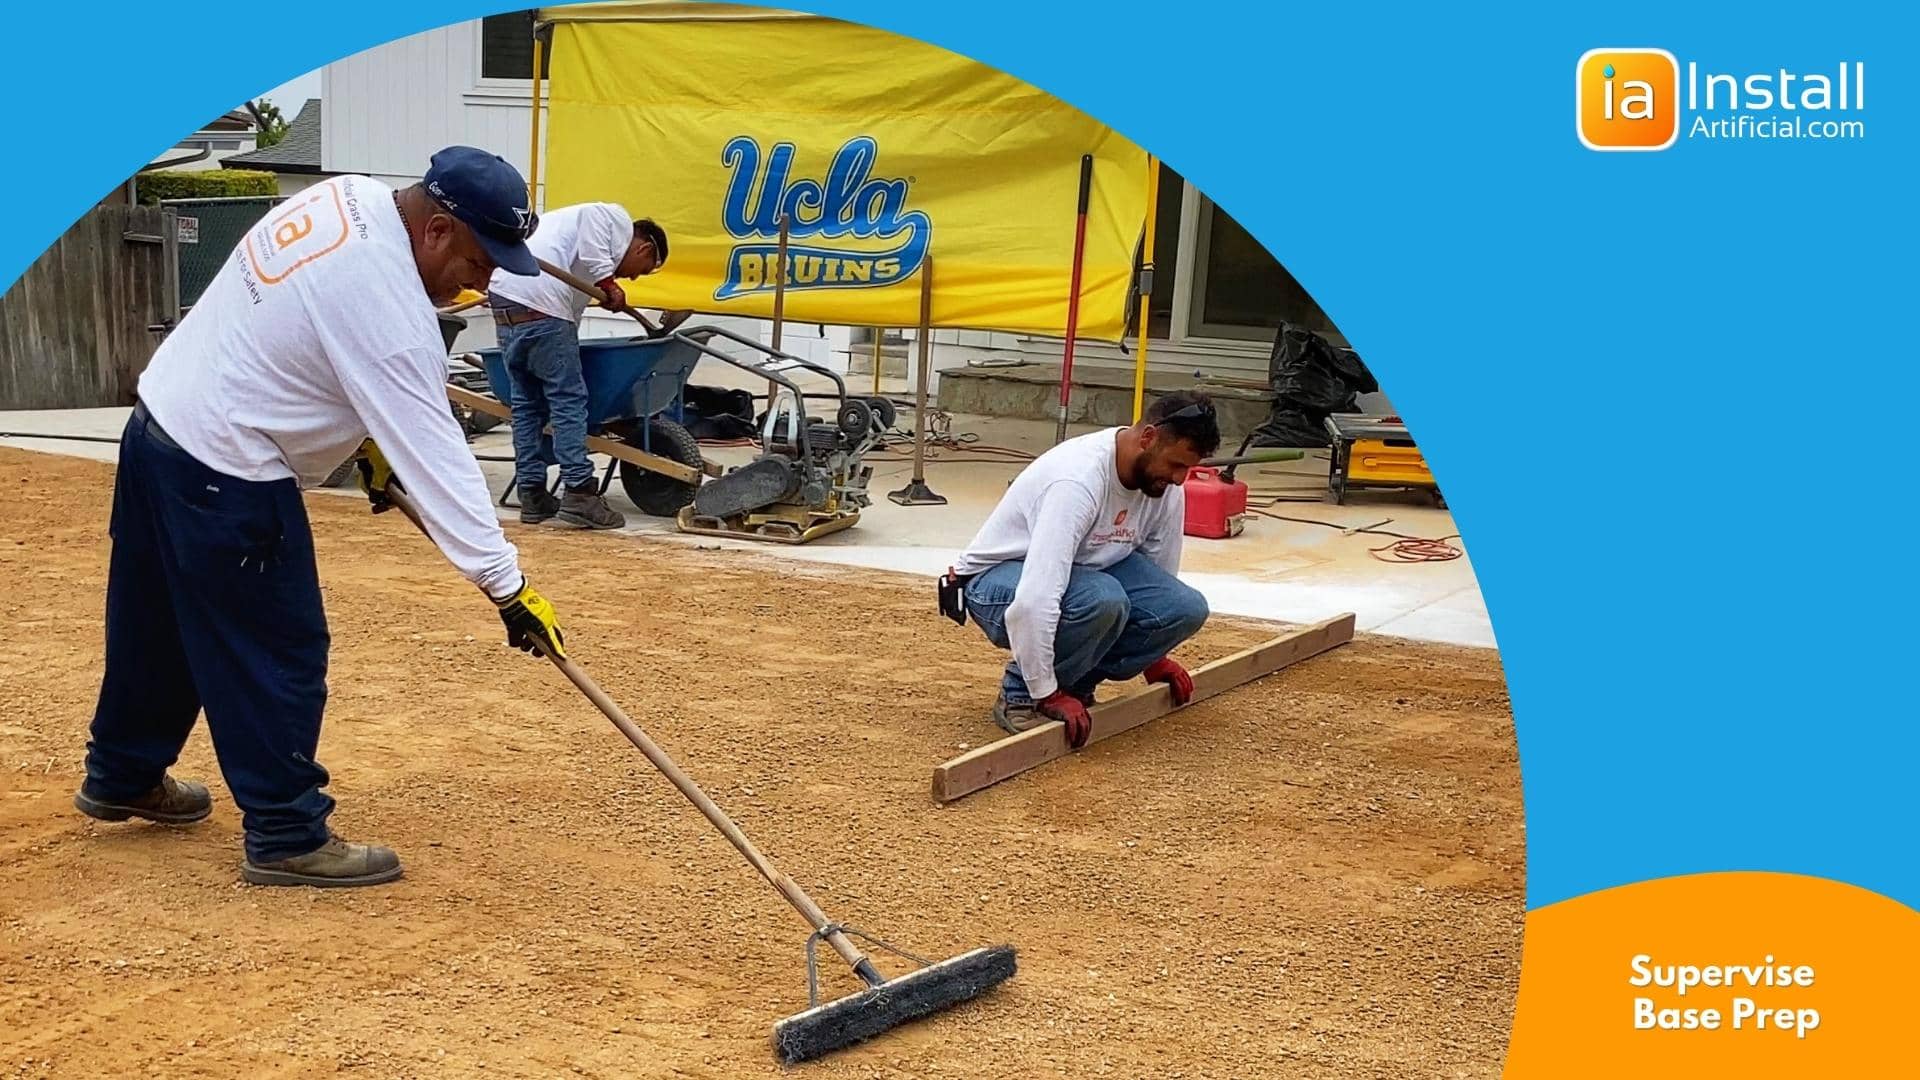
(1733, 974)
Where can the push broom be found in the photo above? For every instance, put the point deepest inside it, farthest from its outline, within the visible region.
(821, 1028)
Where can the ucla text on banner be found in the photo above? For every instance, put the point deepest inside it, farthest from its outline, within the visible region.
(880, 150)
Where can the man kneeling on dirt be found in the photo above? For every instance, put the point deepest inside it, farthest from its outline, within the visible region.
(1074, 570)
(318, 330)
(538, 321)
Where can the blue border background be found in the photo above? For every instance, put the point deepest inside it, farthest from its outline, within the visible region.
(1665, 391)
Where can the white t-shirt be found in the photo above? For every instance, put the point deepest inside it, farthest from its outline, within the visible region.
(589, 239)
(1069, 509)
(314, 334)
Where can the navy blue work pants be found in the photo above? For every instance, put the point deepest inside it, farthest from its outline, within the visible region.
(213, 602)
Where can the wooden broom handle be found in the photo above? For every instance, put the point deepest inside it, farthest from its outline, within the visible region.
(786, 886)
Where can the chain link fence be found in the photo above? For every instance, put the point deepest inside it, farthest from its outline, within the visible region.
(208, 231)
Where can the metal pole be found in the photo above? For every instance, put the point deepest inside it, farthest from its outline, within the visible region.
(779, 301)
(1073, 296)
(877, 335)
(925, 370)
(170, 248)
(533, 155)
(917, 493)
(1146, 287)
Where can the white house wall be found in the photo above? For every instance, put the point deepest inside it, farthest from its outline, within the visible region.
(391, 107)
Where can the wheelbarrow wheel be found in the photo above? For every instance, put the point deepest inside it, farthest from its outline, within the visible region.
(661, 496)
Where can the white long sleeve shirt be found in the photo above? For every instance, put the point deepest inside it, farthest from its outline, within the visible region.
(316, 333)
(589, 239)
(1069, 509)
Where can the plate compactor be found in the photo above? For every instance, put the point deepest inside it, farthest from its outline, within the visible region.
(808, 480)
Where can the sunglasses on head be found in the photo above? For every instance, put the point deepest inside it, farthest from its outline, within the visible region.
(1195, 411)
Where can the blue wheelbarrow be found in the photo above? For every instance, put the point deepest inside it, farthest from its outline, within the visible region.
(635, 405)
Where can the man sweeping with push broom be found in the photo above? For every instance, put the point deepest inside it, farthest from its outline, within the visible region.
(318, 332)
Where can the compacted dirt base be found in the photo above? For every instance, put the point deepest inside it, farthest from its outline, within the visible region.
(1319, 874)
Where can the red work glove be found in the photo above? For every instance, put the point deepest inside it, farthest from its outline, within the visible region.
(1067, 709)
(1175, 676)
(612, 296)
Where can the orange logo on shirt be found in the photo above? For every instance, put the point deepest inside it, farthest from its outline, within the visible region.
(300, 233)
(1117, 534)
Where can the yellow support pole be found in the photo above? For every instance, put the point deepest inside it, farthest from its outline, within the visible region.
(877, 334)
(533, 157)
(1146, 287)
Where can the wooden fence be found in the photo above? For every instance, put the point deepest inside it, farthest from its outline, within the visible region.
(73, 328)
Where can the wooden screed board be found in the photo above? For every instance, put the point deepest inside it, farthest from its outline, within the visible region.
(1015, 754)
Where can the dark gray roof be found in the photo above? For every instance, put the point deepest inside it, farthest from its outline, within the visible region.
(299, 152)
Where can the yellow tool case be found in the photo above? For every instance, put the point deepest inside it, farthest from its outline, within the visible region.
(1375, 452)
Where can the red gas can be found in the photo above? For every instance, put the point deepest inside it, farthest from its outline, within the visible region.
(1214, 506)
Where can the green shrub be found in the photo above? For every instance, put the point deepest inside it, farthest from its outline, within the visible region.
(208, 184)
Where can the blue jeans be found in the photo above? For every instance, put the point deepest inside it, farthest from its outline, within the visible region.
(543, 364)
(213, 602)
(1113, 622)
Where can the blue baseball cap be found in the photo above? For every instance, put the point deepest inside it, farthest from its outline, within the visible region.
(490, 196)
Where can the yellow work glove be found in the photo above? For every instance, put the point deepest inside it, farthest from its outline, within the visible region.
(370, 465)
(532, 624)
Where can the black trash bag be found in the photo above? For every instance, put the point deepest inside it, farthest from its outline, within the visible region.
(1312, 378)
(1288, 426)
(714, 413)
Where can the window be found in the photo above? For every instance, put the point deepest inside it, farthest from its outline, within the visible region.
(1239, 289)
(1166, 252)
(506, 46)
(1234, 289)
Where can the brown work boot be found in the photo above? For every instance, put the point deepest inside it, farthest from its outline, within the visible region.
(171, 802)
(334, 864)
(537, 504)
(585, 508)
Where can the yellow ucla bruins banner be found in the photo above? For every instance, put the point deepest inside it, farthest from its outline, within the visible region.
(881, 151)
